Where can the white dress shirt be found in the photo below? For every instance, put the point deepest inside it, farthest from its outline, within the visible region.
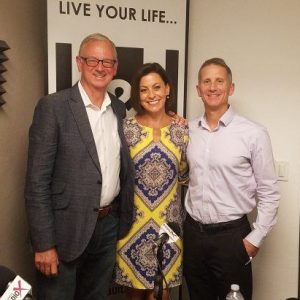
(104, 126)
(232, 167)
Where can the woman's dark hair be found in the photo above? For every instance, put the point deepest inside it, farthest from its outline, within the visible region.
(144, 70)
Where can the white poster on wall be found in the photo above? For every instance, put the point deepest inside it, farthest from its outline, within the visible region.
(143, 31)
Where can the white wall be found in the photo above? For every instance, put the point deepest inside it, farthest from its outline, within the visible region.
(260, 40)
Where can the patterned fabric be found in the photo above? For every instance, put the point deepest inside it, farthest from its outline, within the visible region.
(158, 165)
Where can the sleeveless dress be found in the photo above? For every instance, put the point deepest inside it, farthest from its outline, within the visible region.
(159, 166)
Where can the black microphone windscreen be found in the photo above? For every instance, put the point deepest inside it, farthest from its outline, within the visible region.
(6, 276)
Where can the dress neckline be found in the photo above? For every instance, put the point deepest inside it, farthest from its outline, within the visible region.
(142, 125)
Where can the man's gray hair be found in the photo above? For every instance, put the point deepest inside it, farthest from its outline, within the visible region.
(98, 37)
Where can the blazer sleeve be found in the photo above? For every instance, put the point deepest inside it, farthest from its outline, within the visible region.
(43, 139)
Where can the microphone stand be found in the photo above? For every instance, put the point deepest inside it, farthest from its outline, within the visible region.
(158, 279)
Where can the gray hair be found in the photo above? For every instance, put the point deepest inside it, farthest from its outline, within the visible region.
(98, 37)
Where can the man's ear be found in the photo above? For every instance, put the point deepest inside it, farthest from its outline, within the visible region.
(198, 91)
(116, 68)
(78, 63)
(232, 87)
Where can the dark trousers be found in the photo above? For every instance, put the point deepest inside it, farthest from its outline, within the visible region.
(89, 276)
(215, 258)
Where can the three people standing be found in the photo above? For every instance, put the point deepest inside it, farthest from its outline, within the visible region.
(80, 178)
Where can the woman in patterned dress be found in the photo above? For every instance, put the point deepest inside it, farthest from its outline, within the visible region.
(158, 149)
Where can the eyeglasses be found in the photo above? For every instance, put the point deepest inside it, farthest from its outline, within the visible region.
(94, 62)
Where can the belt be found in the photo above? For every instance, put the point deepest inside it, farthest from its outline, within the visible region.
(218, 227)
(106, 210)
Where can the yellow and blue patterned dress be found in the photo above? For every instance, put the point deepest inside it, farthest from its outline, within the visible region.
(158, 167)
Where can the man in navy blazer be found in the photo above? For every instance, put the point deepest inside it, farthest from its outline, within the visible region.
(79, 185)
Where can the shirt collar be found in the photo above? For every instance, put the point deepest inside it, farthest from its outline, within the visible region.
(226, 118)
(86, 99)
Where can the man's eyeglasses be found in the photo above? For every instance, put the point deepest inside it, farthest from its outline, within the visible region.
(94, 62)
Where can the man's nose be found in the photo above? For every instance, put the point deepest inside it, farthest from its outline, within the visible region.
(213, 86)
(99, 66)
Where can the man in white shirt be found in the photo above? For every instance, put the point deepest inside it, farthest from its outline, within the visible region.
(231, 172)
(79, 185)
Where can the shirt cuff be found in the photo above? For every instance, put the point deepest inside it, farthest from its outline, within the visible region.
(255, 237)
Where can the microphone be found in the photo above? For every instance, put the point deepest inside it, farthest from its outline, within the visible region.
(13, 287)
(169, 232)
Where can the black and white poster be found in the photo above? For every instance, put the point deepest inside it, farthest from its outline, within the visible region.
(143, 31)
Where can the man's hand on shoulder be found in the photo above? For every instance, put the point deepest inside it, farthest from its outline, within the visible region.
(47, 262)
(251, 249)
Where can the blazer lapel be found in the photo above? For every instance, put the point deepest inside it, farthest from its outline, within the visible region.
(84, 127)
